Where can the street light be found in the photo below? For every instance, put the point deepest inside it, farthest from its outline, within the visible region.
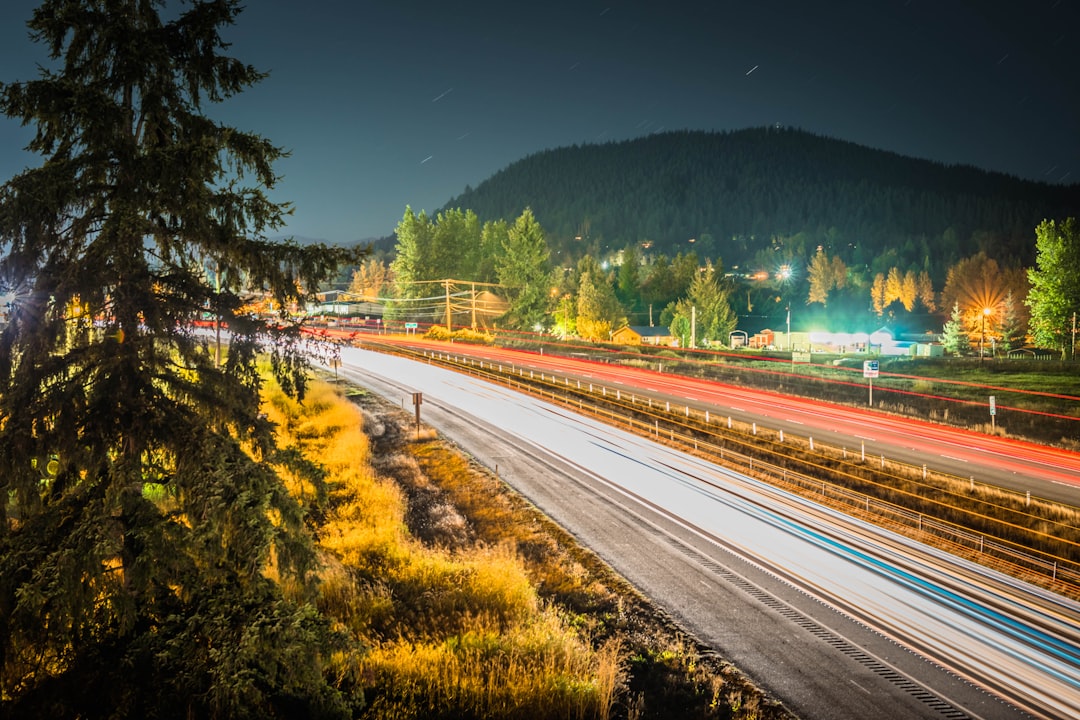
(982, 337)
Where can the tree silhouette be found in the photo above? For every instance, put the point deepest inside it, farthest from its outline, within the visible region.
(139, 501)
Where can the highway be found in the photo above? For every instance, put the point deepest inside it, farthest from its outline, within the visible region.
(1048, 473)
(835, 617)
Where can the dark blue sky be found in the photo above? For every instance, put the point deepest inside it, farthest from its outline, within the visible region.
(385, 104)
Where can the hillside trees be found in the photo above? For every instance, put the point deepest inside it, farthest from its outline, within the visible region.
(140, 507)
(1054, 298)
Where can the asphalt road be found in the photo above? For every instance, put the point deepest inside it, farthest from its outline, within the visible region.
(836, 618)
(1047, 473)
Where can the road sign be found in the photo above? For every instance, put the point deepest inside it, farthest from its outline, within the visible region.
(993, 405)
(410, 326)
(870, 368)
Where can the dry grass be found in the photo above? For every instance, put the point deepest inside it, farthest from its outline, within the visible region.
(458, 628)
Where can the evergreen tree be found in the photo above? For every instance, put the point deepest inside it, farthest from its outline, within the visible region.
(629, 288)
(707, 305)
(523, 270)
(1010, 327)
(139, 503)
(954, 337)
(820, 277)
(414, 262)
(492, 236)
(456, 245)
(658, 288)
(1054, 298)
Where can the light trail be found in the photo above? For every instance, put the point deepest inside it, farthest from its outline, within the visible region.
(1012, 639)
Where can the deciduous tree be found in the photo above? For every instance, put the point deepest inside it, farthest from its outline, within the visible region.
(1054, 298)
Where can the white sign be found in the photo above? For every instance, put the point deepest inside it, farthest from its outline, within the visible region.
(870, 368)
(993, 405)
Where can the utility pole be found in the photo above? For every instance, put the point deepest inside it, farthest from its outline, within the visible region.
(693, 326)
(448, 328)
(474, 307)
(790, 346)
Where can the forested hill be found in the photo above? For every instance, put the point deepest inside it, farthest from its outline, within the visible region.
(738, 193)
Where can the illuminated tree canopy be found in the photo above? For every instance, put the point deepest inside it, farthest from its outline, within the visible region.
(1054, 298)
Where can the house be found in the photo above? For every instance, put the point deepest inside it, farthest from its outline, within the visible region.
(643, 335)
(765, 338)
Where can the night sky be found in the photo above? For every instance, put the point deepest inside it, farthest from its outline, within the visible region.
(385, 104)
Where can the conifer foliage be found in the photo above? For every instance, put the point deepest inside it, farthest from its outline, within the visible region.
(139, 505)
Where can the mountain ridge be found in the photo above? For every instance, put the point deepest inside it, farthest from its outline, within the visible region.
(738, 194)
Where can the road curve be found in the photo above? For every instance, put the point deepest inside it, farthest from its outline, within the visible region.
(838, 618)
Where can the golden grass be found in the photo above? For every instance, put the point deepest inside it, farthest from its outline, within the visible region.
(456, 633)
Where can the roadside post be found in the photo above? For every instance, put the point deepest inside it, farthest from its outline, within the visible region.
(417, 400)
(993, 413)
(870, 371)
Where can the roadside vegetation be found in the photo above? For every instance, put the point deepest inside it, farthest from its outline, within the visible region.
(460, 600)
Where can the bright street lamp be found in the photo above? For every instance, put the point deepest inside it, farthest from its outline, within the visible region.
(982, 337)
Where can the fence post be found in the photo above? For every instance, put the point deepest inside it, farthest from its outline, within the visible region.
(811, 443)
